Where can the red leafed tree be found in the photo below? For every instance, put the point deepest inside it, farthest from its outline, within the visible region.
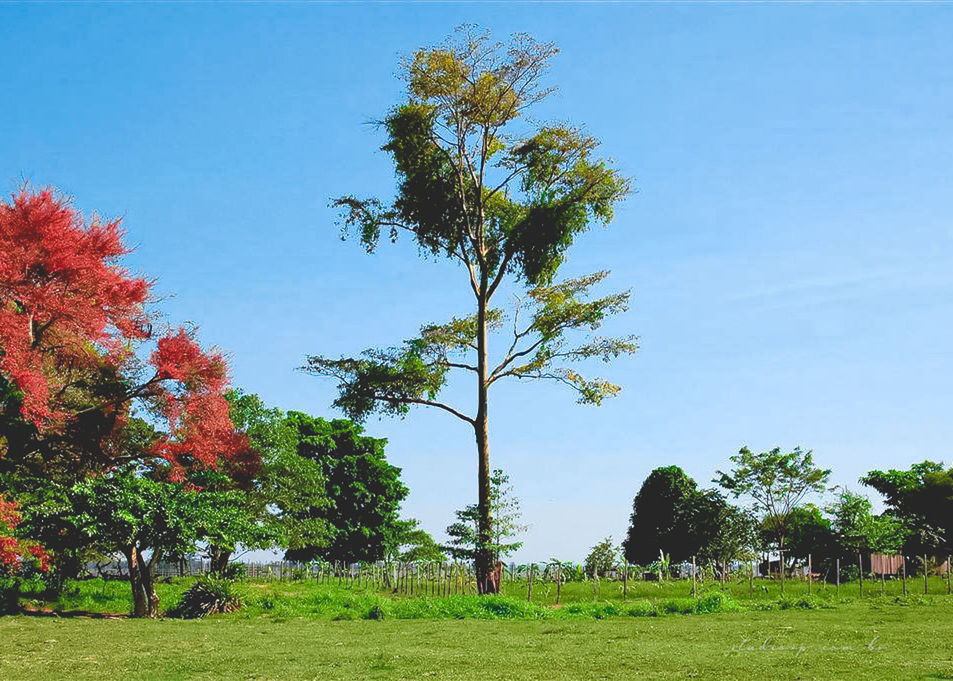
(71, 318)
(15, 553)
(16, 556)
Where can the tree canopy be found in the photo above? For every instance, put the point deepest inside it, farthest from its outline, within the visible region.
(661, 517)
(80, 356)
(363, 491)
(922, 498)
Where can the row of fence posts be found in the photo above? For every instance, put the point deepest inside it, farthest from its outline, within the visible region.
(439, 579)
(451, 579)
(837, 571)
(411, 579)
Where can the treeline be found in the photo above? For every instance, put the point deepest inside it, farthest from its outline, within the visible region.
(790, 515)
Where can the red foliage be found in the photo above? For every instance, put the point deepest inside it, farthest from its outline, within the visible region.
(67, 307)
(200, 428)
(14, 553)
(62, 294)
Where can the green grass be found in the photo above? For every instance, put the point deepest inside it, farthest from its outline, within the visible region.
(871, 640)
(330, 601)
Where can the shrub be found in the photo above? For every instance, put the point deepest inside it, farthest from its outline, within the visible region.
(375, 613)
(208, 596)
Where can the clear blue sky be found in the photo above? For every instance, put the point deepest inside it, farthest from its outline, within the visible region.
(789, 247)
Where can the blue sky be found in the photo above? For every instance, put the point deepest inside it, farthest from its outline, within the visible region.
(789, 246)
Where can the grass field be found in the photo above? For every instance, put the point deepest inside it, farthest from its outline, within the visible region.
(867, 641)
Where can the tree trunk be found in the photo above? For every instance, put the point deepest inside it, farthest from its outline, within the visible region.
(140, 606)
(147, 572)
(484, 558)
(218, 560)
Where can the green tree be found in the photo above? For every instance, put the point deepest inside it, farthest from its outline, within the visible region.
(806, 532)
(777, 483)
(662, 518)
(466, 541)
(857, 528)
(363, 490)
(922, 498)
(480, 184)
(602, 558)
(285, 498)
(148, 520)
(721, 532)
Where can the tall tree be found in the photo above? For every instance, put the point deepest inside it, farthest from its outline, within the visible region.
(363, 492)
(480, 184)
(661, 517)
(777, 482)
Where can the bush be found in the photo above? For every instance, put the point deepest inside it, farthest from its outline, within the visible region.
(375, 613)
(208, 596)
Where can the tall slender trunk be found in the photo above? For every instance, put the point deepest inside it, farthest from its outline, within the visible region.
(485, 575)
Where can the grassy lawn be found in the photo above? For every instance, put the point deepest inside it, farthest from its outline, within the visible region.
(874, 639)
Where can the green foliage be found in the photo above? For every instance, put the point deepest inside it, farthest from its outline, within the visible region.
(290, 486)
(720, 531)
(409, 543)
(602, 558)
(363, 490)
(505, 513)
(806, 532)
(661, 517)
(857, 528)
(777, 482)
(922, 498)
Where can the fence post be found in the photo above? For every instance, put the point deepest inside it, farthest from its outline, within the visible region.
(925, 573)
(837, 578)
(810, 576)
(860, 566)
(751, 578)
(694, 591)
(781, 567)
(529, 583)
(625, 580)
(949, 584)
(903, 565)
